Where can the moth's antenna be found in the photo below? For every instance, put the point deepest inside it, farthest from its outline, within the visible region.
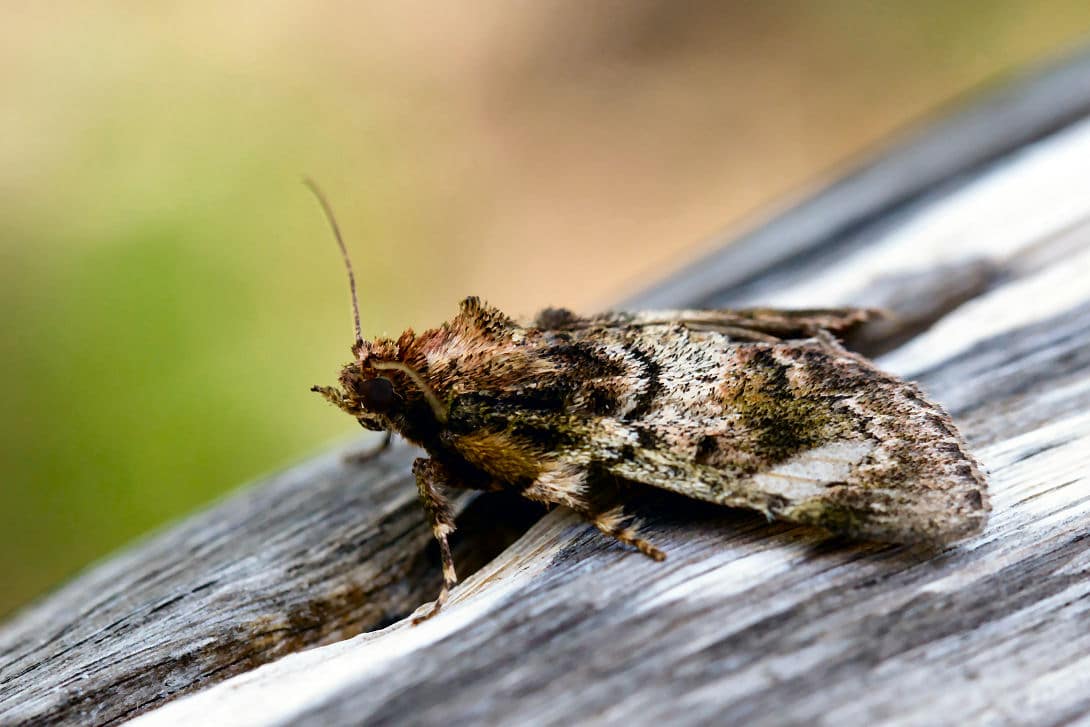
(313, 187)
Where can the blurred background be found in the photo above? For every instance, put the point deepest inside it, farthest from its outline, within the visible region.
(171, 290)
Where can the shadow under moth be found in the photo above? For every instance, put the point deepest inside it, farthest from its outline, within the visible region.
(757, 408)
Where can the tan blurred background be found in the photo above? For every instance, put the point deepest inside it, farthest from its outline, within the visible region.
(171, 290)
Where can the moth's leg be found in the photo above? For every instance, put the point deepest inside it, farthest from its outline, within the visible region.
(369, 454)
(567, 485)
(560, 485)
(430, 476)
(612, 523)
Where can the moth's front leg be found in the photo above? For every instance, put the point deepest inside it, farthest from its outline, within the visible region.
(430, 476)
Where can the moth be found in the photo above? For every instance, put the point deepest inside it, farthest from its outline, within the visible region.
(757, 408)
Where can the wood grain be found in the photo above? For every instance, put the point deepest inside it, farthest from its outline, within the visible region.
(746, 621)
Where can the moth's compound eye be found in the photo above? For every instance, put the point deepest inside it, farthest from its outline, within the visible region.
(377, 394)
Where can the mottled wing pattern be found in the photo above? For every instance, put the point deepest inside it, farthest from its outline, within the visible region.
(799, 430)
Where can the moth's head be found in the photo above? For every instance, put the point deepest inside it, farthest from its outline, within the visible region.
(368, 396)
(365, 392)
(380, 390)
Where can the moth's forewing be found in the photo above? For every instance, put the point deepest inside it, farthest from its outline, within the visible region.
(801, 432)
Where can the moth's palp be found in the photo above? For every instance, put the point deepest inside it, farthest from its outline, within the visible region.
(337, 398)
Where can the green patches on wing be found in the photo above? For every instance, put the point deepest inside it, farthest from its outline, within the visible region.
(781, 420)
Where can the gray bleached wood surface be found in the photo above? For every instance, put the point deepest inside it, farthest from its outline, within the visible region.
(746, 621)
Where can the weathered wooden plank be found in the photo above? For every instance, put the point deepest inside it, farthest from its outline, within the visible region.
(313, 555)
(756, 621)
(769, 624)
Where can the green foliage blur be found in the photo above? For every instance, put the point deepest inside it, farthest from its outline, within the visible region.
(171, 290)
